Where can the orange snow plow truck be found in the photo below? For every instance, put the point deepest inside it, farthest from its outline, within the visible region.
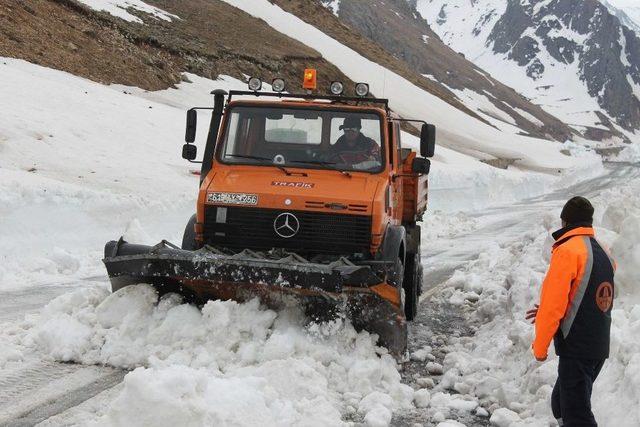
(304, 199)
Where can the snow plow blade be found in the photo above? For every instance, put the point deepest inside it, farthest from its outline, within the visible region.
(279, 279)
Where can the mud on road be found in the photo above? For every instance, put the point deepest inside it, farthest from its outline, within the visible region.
(436, 322)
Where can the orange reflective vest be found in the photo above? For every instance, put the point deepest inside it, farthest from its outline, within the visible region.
(577, 297)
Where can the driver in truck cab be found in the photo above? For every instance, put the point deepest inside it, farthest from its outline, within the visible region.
(353, 147)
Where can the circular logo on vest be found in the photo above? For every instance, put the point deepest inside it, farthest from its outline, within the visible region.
(604, 296)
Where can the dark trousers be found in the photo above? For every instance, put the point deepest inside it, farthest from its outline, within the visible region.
(571, 397)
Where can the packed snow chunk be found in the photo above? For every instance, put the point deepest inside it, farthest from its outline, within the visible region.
(179, 395)
(377, 408)
(119, 8)
(481, 412)
(379, 416)
(438, 417)
(129, 302)
(364, 375)
(434, 368)
(421, 398)
(425, 382)
(136, 233)
(504, 417)
(452, 402)
(373, 400)
(64, 337)
(67, 263)
(422, 354)
(64, 332)
(451, 423)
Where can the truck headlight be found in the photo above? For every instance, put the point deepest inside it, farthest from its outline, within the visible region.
(362, 89)
(336, 88)
(277, 85)
(255, 84)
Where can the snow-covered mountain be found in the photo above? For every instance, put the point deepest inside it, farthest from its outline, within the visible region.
(573, 58)
(396, 26)
(626, 11)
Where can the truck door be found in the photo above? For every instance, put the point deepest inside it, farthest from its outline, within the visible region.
(395, 184)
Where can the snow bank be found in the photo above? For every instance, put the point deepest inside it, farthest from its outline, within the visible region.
(630, 154)
(227, 364)
(496, 365)
(459, 182)
(119, 8)
(81, 163)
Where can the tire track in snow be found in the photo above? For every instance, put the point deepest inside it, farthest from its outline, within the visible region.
(40, 390)
(14, 304)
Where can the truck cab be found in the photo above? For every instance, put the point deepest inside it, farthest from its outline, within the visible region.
(324, 177)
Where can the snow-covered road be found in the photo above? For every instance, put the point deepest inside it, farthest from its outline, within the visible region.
(470, 248)
(64, 339)
(488, 241)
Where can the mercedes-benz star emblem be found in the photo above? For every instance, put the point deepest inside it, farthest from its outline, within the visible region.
(286, 225)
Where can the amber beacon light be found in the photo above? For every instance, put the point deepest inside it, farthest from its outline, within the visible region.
(310, 79)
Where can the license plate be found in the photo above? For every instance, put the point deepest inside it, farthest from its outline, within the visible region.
(232, 198)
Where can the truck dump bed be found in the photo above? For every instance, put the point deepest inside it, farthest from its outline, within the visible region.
(415, 193)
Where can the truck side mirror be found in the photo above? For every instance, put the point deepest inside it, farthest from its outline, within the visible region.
(192, 122)
(189, 152)
(421, 166)
(427, 140)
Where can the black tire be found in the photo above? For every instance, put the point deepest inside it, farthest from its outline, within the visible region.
(189, 236)
(420, 277)
(396, 275)
(411, 286)
(397, 278)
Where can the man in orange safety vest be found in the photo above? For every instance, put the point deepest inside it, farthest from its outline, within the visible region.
(575, 311)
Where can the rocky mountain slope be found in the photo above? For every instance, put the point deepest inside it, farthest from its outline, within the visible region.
(573, 58)
(395, 25)
(149, 44)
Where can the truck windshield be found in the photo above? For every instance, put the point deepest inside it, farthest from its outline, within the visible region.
(303, 138)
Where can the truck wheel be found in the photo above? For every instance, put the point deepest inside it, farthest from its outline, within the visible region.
(397, 278)
(189, 236)
(411, 286)
(396, 275)
(420, 277)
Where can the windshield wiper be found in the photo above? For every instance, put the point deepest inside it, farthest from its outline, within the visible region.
(282, 168)
(322, 163)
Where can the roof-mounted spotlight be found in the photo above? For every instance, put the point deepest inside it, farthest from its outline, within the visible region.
(362, 89)
(255, 84)
(336, 88)
(277, 85)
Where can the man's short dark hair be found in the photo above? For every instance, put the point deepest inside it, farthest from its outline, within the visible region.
(577, 210)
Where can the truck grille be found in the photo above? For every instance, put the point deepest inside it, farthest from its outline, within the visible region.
(253, 228)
